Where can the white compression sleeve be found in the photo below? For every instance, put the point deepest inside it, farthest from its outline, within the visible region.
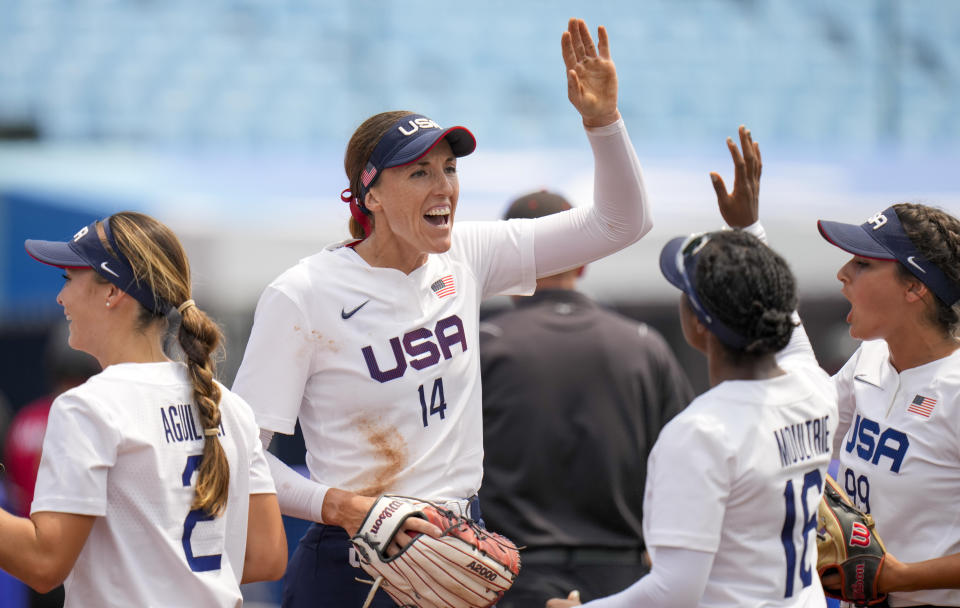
(677, 580)
(298, 496)
(620, 214)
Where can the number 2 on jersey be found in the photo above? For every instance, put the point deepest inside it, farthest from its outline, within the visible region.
(811, 481)
(437, 402)
(198, 563)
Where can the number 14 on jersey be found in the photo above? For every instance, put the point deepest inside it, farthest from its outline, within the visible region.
(438, 404)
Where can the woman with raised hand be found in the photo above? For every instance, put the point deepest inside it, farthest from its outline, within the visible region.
(153, 488)
(735, 479)
(372, 344)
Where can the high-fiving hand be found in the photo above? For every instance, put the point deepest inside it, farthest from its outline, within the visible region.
(741, 207)
(591, 75)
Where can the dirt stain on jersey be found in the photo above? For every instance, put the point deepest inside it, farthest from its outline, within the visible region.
(315, 338)
(304, 348)
(390, 449)
(330, 345)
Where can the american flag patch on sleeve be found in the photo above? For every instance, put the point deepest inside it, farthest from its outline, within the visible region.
(922, 406)
(444, 286)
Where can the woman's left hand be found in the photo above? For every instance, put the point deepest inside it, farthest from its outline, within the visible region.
(591, 75)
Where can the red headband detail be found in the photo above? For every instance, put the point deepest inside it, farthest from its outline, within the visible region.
(356, 212)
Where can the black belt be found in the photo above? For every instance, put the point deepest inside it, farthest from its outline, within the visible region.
(581, 555)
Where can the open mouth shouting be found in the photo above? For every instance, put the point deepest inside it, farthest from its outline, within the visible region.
(438, 216)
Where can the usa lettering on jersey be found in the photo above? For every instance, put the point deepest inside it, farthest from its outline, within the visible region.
(803, 440)
(425, 348)
(873, 442)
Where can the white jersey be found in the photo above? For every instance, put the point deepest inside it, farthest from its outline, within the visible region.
(899, 452)
(739, 473)
(382, 367)
(124, 447)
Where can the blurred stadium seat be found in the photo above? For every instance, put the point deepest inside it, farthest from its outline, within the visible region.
(240, 72)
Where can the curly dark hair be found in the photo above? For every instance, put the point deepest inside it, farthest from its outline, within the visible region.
(750, 288)
(936, 235)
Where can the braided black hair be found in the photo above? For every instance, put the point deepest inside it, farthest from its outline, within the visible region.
(936, 235)
(748, 287)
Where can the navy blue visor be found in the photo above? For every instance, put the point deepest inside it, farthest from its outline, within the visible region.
(882, 237)
(86, 250)
(678, 263)
(412, 137)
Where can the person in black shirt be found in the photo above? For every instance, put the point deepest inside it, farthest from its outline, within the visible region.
(574, 397)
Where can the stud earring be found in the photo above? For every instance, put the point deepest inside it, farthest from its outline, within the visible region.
(108, 303)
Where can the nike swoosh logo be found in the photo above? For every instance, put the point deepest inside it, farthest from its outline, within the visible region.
(104, 266)
(915, 265)
(347, 315)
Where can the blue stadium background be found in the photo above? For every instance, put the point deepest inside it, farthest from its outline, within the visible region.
(282, 73)
(227, 119)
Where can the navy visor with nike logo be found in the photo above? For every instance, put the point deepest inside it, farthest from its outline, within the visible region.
(882, 237)
(86, 250)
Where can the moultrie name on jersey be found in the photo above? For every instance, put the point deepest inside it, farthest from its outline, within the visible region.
(873, 442)
(422, 345)
(179, 424)
(803, 440)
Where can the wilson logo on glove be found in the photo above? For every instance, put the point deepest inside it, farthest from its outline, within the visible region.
(388, 512)
(859, 534)
(848, 546)
(858, 584)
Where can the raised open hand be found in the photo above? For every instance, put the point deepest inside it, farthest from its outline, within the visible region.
(741, 207)
(591, 75)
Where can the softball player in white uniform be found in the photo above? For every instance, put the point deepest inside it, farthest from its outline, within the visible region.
(734, 480)
(153, 489)
(899, 436)
(373, 345)
(124, 448)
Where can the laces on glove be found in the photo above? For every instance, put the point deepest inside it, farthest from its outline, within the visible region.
(373, 590)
